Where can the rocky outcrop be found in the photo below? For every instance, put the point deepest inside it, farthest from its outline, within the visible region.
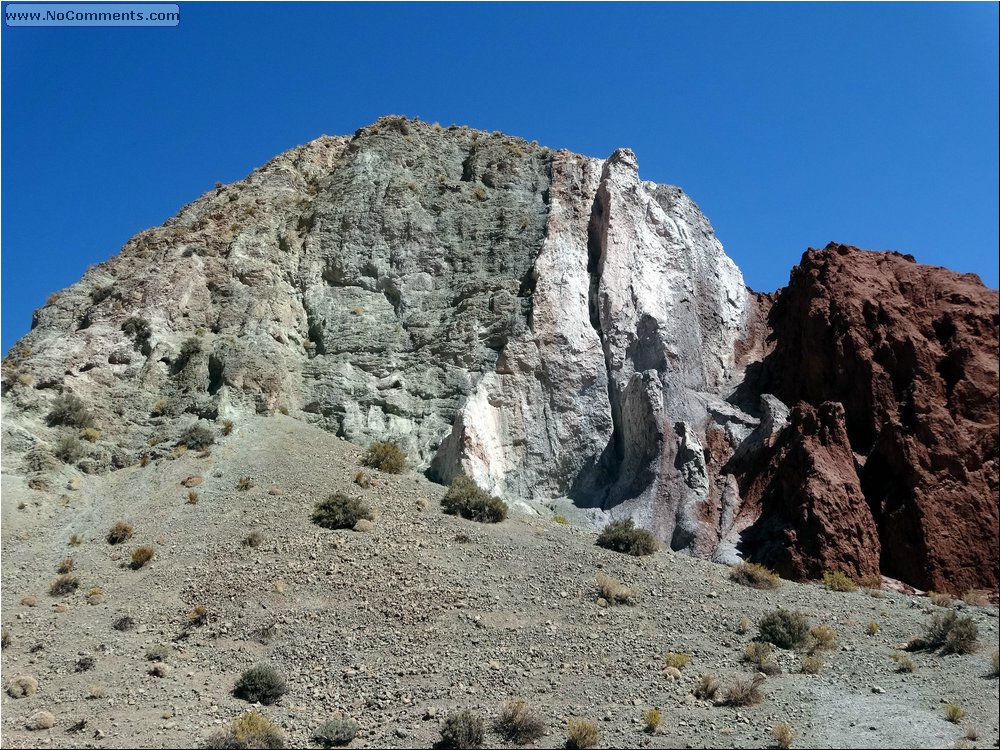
(908, 355)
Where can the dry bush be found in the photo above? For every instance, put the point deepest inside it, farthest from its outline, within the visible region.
(562, 520)
(903, 662)
(744, 690)
(838, 581)
(336, 732)
(675, 660)
(158, 652)
(953, 712)
(227, 427)
(65, 566)
(6, 638)
(519, 723)
(193, 497)
(260, 684)
(976, 598)
(197, 437)
(340, 512)
(197, 616)
(141, 557)
(385, 456)
(755, 576)
(90, 434)
(158, 670)
(120, 532)
(612, 591)
(463, 729)
(85, 664)
(873, 628)
(706, 687)
(582, 734)
(244, 484)
(783, 734)
(64, 584)
(95, 595)
(22, 686)
(251, 730)
(995, 663)
(651, 718)
(871, 581)
(75, 540)
(784, 628)
(761, 655)
(69, 410)
(811, 664)
(949, 632)
(364, 480)
(40, 720)
(467, 499)
(939, 600)
(743, 626)
(123, 624)
(625, 537)
(823, 638)
(253, 540)
(70, 449)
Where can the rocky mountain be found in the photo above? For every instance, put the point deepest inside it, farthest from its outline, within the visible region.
(570, 336)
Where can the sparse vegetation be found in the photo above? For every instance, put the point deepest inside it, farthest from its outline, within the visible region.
(625, 537)
(811, 664)
(251, 731)
(141, 557)
(227, 426)
(519, 723)
(340, 512)
(976, 598)
(197, 437)
(467, 499)
(6, 638)
(903, 662)
(158, 652)
(85, 664)
(253, 540)
(783, 734)
(755, 576)
(364, 480)
(463, 729)
(651, 718)
(197, 616)
(22, 686)
(582, 734)
(939, 600)
(64, 584)
(244, 483)
(69, 410)
(743, 625)
(953, 712)
(189, 350)
(744, 690)
(871, 581)
(123, 624)
(193, 497)
(75, 540)
(675, 660)
(783, 628)
(385, 456)
(65, 566)
(949, 632)
(336, 732)
(562, 520)
(823, 638)
(90, 434)
(612, 591)
(70, 449)
(260, 684)
(707, 687)
(838, 581)
(873, 628)
(995, 663)
(761, 655)
(120, 532)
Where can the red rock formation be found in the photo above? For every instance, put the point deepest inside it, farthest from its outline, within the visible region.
(910, 351)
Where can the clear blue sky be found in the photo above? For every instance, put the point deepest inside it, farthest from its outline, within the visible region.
(791, 125)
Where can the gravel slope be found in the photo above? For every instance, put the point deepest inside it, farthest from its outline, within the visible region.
(422, 615)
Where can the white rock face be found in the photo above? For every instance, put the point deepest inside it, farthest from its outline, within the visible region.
(545, 322)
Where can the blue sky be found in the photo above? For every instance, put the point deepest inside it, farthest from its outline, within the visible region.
(790, 124)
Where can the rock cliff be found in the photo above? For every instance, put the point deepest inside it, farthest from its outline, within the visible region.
(569, 335)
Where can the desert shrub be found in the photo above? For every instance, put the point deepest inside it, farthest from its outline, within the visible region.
(65, 566)
(582, 734)
(69, 410)
(364, 480)
(244, 483)
(479, 193)
(743, 626)
(251, 731)
(189, 349)
(123, 624)
(158, 652)
(519, 723)
(260, 684)
(120, 532)
(90, 434)
(40, 720)
(761, 655)
(953, 712)
(95, 595)
(22, 686)
(903, 662)
(755, 576)
(6, 638)
(462, 730)
(64, 584)
(949, 632)
(612, 591)
(939, 600)
(197, 616)
(253, 540)
(873, 628)
(227, 426)
(811, 664)
(340, 512)
(651, 718)
(70, 449)
(783, 734)
(995, 663)
(744, 690)
(823, 638)
(675, 660)
(976, 598)
(706, 687)
(562, 520)
(158, 670)
(197, 437)
(783, 628)
(193, 497)
(75, 540)
(467, 499)
(85, 664)
(871, 581)
(385, 456)
(141, 556)
(336, 732)
(138, 329)
(838, 581)
(624, 536)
